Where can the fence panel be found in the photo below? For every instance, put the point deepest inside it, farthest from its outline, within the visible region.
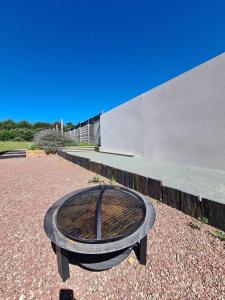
(87, 132)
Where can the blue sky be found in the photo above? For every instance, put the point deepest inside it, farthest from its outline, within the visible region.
(72, 59)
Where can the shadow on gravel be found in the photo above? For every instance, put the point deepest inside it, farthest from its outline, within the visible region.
(66, 294)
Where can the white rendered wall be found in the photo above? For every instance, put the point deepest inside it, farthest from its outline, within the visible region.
(182, 120)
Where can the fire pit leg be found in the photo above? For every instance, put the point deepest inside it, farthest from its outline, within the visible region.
(142, 250)
(63, 264)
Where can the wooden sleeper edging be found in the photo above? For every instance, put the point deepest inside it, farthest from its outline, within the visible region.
(189, 204)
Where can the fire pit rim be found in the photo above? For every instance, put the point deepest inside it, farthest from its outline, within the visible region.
(64, 242)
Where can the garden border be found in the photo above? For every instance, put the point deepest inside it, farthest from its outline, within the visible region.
(189, 204)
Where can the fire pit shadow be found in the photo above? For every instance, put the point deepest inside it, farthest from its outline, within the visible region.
(66, 294)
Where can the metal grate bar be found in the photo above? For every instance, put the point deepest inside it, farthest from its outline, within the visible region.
(104, 213)
(99, 215)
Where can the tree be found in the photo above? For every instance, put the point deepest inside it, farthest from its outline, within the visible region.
(69, 126)
(41, 125)
(24, 124)
(8, 124)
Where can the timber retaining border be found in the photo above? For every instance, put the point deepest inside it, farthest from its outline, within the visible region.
(189, 204)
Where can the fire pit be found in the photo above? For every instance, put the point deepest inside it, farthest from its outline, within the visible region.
(98, 227)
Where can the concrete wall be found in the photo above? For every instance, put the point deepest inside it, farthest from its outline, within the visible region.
(182, 120)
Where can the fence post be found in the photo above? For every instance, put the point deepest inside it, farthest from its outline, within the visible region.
(79, 134)
(61, 125)
(88, 130)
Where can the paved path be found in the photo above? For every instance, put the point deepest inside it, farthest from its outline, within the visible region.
(207, 183)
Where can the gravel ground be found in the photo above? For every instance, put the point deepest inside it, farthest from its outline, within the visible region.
(183, 262)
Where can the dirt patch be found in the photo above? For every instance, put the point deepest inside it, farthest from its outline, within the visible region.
(35, 153)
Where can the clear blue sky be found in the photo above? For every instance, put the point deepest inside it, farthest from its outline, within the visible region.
(72, 59)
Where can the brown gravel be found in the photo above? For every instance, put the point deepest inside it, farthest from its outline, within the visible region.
(183, 263)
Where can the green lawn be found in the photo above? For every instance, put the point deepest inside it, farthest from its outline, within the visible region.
(10, 145)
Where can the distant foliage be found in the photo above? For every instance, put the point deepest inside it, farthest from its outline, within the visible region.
(23, 134)
(6, 135)
(8, 124)
(24, 131)
(17, 134)
(50, 140)
(68, 126)
(24, 124)
(42, 125)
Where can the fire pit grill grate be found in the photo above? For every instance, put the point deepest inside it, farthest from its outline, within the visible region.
(102, 215)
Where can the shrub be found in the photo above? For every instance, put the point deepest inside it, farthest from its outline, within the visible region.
(50, 140)
(17, 134)
(23, 134)
(203, 220)
(33, 147)
(112, 180)
(195, 225)
(6, 135)
(219, 234)
(18, 139)
(95, 179)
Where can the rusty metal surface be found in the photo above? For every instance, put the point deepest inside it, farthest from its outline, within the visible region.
(54, 234)
(119, 214)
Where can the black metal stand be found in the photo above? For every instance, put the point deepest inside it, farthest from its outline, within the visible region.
(63, 263)
(141, 251)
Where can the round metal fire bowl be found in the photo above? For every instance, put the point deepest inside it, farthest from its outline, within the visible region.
(103, 261)
(97, 262)
(64, 242)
